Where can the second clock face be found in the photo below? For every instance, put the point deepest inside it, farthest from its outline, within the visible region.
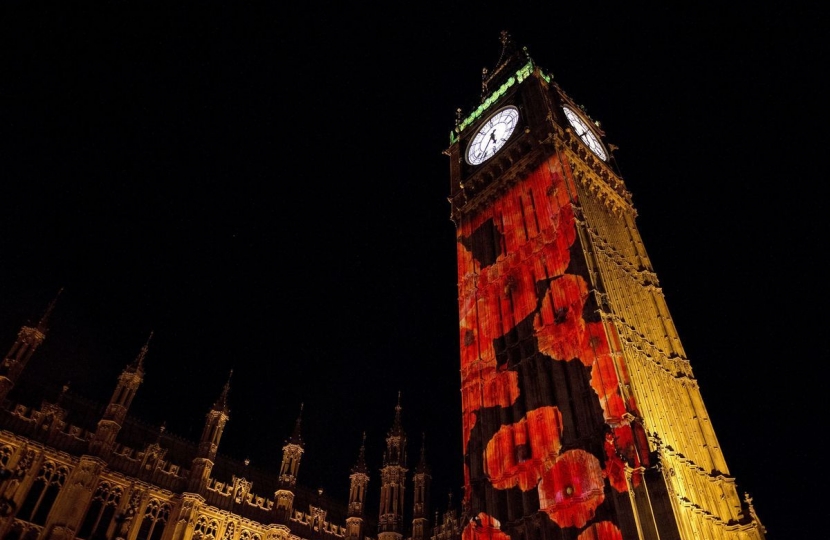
(492, 135)
(585, 133)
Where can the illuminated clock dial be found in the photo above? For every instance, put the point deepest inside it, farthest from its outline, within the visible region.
(492, 135)
(584, 132)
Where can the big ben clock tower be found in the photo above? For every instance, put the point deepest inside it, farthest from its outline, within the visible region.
(582, 419)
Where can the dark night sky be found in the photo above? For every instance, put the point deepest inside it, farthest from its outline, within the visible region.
(264, 189)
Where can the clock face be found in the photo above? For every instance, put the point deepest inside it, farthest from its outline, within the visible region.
(585, 133)
(492, 135)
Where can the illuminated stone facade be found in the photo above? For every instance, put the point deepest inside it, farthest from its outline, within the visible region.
(107, 476)
(581, 416)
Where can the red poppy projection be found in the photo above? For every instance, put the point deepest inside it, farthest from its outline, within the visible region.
(532, 348)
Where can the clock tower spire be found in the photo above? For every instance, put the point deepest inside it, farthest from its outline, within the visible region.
(580, 409)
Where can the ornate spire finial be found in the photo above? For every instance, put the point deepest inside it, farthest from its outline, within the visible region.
(360, 466)
(138, 363)
(222, 403)
(43, 324)
(422, 466)
(64, 390)
(510, 59)
(396, 426)
(296, 437)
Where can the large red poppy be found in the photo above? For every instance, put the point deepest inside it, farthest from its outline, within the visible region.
(572, 489)
(518, 454)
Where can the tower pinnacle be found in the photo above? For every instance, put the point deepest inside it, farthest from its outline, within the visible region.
(43, 324)
(296, 436)
(222, 402)
(360, 465)
(137, 365)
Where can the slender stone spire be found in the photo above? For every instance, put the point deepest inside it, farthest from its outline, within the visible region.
(355, 522)
(422, 479)
(137, 365)
(110, 424)
(292, 453)
(28, 340)
(215, 422)
(393, 481)
(43, 324)
(360, 465)
(296, 436)
(422, 462)
(396, 425)
(222, 402)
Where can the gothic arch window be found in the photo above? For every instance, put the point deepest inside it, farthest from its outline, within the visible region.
(246, 535)
(6, 452)
(101, 511)
(229, 532)
(43, 493)
(205, 529)
(155, 519)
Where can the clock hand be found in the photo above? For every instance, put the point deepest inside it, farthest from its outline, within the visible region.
(484, 150)
(492, 139)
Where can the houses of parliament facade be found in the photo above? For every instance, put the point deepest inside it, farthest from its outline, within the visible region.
(110, 476)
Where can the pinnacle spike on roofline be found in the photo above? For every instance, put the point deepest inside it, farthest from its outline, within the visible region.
(396, 425)
(138, 363)
(360, 466)
(222, 403)
(296, 437)
(43, 323)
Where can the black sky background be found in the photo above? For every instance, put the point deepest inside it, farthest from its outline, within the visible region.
(263, 188)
